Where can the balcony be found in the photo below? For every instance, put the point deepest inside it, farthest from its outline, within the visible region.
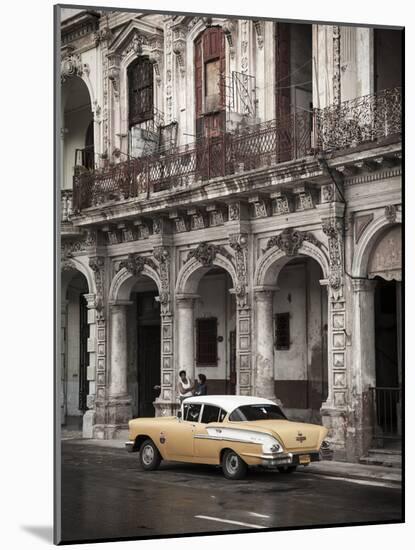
(361, 120)
(352, 123)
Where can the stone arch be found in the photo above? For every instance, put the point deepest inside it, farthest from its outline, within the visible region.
(73, 265)
(124, 280)
(274, 259)
(365, 246)
(191, 273)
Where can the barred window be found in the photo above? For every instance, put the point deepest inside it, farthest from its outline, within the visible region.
(207, 341)
(282, 331)
(140, 91)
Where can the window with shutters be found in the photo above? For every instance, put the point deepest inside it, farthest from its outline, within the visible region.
(207, 342)
(209, 73)
(140, 91)
(282, 331)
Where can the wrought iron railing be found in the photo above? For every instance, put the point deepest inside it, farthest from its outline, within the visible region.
(387, 412)
(364, 119)
(254, 147)
(342, 126)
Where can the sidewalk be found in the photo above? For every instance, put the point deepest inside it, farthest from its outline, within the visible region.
(349, 470)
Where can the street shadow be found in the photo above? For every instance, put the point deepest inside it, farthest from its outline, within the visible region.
(44, 532)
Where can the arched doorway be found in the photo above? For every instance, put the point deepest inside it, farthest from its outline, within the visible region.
(77, 129)
(384, 268)
(75, 355)
(206, 320)
(215, 332)
(144, 346)
(299, 314)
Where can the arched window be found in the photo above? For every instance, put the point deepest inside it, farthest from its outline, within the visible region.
(140, 91)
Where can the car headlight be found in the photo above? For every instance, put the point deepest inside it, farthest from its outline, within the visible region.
(325, 445)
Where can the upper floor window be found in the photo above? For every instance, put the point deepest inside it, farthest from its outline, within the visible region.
(209, 71)
(140, 91)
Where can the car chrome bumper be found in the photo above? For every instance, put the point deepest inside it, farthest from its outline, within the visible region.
(287, 459)
(129, 445)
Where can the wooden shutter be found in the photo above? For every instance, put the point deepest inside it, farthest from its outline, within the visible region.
(283, 92)
(140, 91)
(198, 77)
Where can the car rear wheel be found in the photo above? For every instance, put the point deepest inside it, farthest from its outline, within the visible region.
(287, 469)
(149, 456)
(233, 466)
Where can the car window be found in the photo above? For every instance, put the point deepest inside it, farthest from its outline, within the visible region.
(222, 415)
(191, 411)
(210, 414)
(257, 412)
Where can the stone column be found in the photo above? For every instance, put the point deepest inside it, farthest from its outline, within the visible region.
(185, 341)
(119, 402)
(363, 363)
(264, 371)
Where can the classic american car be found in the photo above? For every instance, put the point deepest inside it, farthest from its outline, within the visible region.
(228, 430)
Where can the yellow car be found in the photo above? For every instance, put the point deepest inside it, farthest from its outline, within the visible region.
(229, 430)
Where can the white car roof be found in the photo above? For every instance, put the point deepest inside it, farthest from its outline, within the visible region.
(229, 402)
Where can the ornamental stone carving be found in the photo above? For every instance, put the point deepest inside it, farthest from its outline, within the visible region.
(179, 48)
(229, 28)
(97, 264)
(239, 243)
(68, 248)
(333, 229)
(162, 255)
(259, 27)
(72, 65)
(135, 264)
(290, 241)
(114, 72)
(390, 213)
(206, 253)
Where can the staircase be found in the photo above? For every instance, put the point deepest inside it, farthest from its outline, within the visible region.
(391, 458)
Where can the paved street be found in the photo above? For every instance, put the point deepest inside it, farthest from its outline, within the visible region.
(105, 495)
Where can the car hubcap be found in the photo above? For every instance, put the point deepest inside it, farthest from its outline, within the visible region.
(232, 463)
(148, 454)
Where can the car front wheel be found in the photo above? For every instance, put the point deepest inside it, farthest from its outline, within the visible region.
(149, 456)
(233, 466)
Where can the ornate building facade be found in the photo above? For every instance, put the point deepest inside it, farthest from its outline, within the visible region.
(231, 205)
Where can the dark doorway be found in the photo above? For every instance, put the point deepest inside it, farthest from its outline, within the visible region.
(388, 393)
(83, 352)
(231, 384)
(388, 58)
(149, 353)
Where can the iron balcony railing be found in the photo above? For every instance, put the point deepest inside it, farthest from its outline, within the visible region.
(363, 119)
(387, 413)
(256, 146)
(336, 127)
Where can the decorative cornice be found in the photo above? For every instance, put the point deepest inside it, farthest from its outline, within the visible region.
(373, 176)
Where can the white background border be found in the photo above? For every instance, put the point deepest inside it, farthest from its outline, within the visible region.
(27, 270)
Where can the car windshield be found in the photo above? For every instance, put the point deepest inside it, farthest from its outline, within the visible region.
(257, 412)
